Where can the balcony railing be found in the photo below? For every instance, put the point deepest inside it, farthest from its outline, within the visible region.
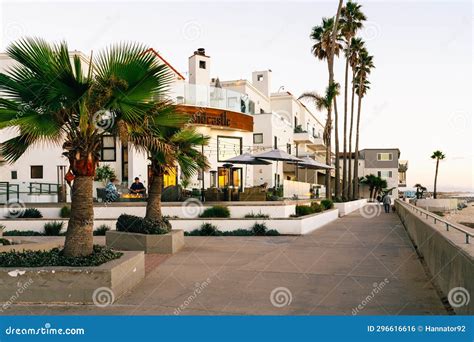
(209, 96)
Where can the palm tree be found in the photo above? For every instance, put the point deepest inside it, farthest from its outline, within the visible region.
(49, 98)
(362, 85)
(327, 44)
(351, 21)
(370, 181)
(185, 143)
(357, 44)
(438, 155)
(325, 102)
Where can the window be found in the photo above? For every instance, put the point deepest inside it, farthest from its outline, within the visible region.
(228, 147)
(259, 78)
(107, 150)
(296, 121)
(314, 132)
(14, 175)
(202, 64)
(262, 111)
(384, 156)
(36, 171)
(384, 174)
(275, 142)
(258, 138)
(213, 180)
(288, 148)
(251, 107)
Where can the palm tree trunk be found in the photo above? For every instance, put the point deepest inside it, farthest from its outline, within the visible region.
(436, 178)
(349, 176)
(79, 237)
(153, 206)
(355, 193)
(327, 177)
(337, 185)
(345, 193)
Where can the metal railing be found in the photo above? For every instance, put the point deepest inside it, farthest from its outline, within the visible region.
(43, 188)
(9, 190)
(437, 219)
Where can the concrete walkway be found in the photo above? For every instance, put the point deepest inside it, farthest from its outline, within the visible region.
(355, 265)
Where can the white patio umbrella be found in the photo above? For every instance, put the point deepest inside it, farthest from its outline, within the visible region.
(278, 155)
(310, 163)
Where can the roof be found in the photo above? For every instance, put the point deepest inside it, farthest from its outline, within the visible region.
(166, 62)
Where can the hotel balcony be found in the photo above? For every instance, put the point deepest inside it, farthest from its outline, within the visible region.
(211, 97)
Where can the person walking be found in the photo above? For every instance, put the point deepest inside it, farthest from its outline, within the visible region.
(387, 203)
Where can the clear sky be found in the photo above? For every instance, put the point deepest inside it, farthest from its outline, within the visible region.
(421, 96)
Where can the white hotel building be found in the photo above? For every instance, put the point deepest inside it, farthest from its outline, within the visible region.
(239, 116)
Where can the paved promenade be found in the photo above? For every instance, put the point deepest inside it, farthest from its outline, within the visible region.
(355, 265)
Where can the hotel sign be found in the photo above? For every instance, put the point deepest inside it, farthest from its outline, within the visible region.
(218, 118)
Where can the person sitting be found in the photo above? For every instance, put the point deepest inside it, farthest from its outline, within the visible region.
(111, 193)
(138, 188)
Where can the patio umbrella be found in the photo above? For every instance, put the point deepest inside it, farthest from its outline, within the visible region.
(246, 159)
(310, 163)
(278, 155)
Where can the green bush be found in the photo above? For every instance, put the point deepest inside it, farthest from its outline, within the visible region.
(327, 204)
(257, 215)
(101, 230)
(26, 213)
(104, 173)
(238, 232)
(272, 232)
(55, 257)
(259, 229)
(303, 210)
(216, 211)
(317, 208)
(22, 233)
(4, 242)
(53, 228)
(135, 224)
(65, 212)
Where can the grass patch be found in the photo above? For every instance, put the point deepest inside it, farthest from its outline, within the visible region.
(55, 257)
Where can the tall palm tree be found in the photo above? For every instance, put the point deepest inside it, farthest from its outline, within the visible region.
(351, 21)
(325, 102)
(363, 69)
(438, 155)
(327, 44)
(357, 44)
(370, 181)
(50, 98)
(185, 152)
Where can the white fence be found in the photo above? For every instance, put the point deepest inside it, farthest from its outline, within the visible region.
(299, 189)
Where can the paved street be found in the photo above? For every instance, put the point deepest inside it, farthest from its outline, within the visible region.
(355, 265)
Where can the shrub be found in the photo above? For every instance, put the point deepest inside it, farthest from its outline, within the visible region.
(65, 212)
(238, 232)
(22, 233)
(104, 173)
(259, 229)
(317, 208)
(208, 229)
(5, 242)
(27, 213)
(101, 230)
(272, 232)
(135, 224)
(55, 257)
(302, 210)
(216, 211)
(327, 204)
(53, 228)
(258, 215)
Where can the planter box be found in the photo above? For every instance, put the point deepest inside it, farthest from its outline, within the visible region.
(64, 284)
(149, 243)
(346, 208)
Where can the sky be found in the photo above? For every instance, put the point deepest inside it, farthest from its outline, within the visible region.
(421, 95)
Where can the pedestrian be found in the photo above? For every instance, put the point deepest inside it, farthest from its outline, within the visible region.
(387, 203)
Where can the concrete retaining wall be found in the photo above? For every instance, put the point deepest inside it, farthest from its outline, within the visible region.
(292, 226)
(346, 208)
(441, 204)
(449, 259)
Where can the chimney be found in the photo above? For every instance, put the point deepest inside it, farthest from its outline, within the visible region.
(262, 80)
(199, 68)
